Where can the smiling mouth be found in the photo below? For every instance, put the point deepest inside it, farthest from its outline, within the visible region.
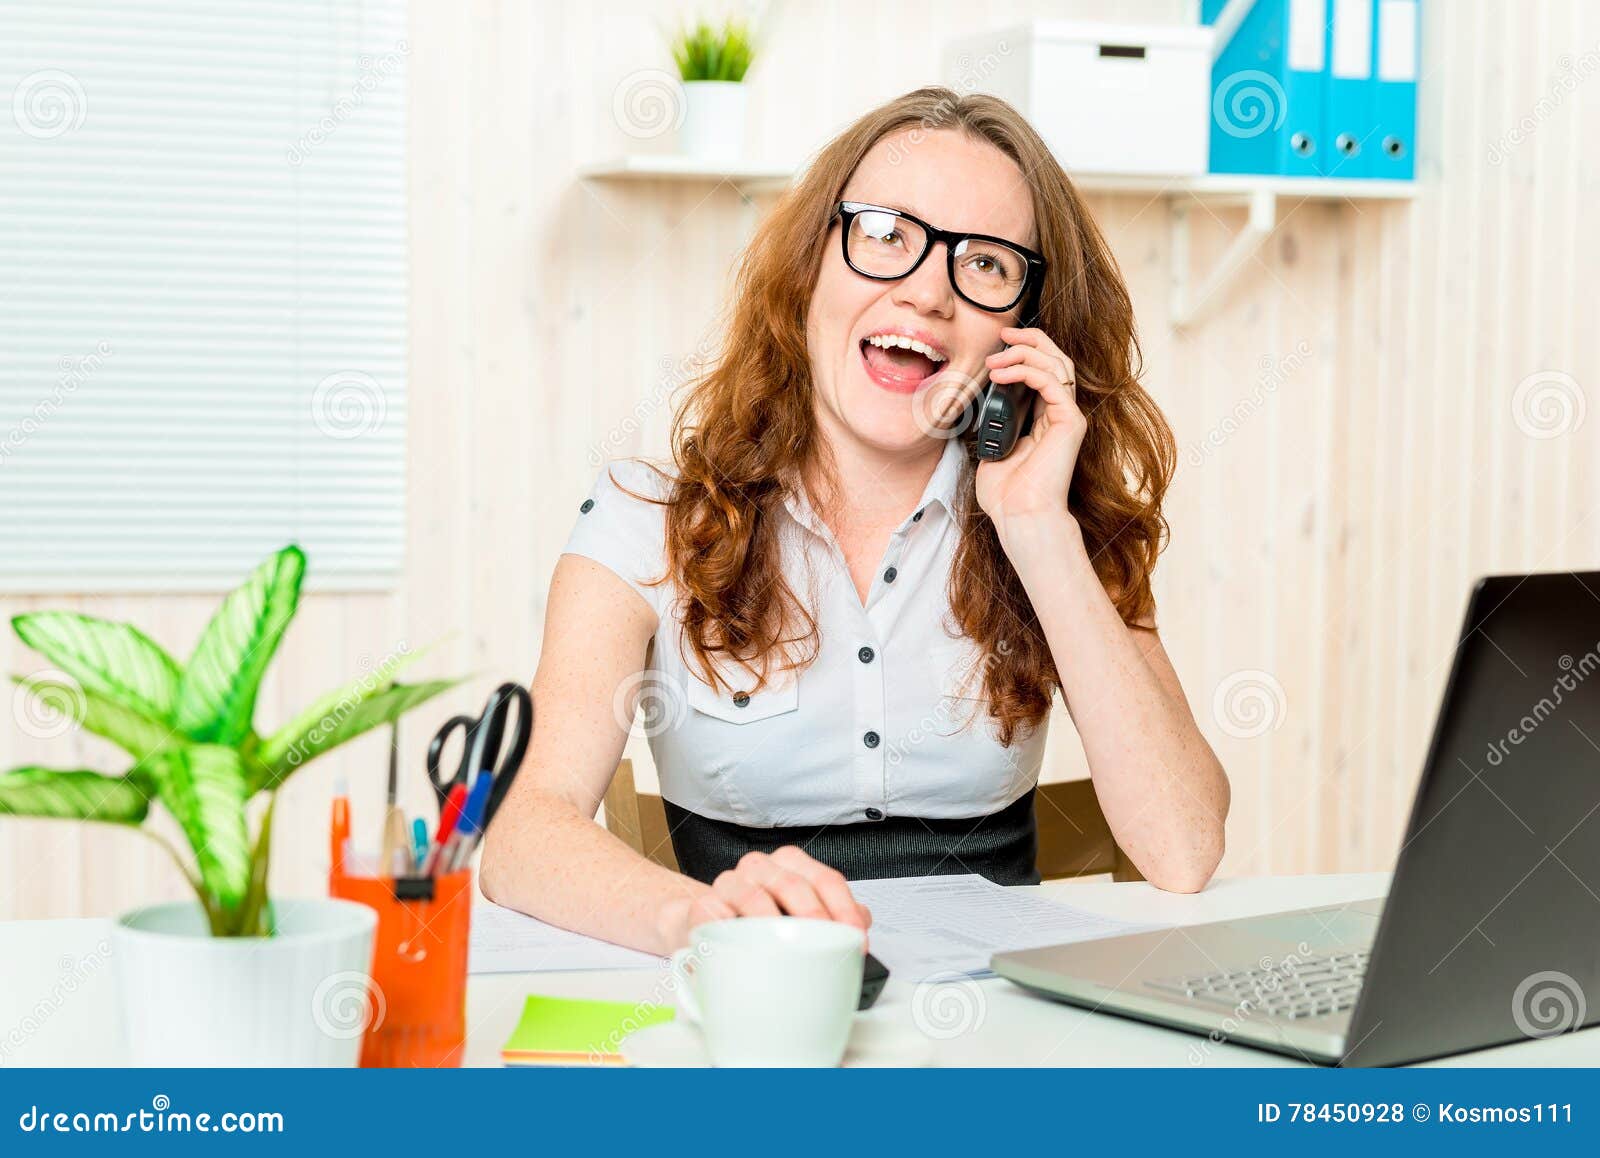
(893, 364)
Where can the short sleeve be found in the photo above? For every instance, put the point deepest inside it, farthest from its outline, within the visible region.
(625, 533)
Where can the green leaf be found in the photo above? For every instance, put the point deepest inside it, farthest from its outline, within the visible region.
(707, 52)
(75, 795)
(217, 695)
(134, 733)
(115, 660)
(202, 785)
(345, 722)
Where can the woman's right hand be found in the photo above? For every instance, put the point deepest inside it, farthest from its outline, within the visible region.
(786, 882)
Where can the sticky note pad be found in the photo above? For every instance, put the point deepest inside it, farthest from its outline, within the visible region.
(563, 1031)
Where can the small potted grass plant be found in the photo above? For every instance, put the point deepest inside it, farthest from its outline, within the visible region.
(232, 977)
(712, 61)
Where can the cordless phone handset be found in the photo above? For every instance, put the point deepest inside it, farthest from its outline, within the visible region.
(1005, 409)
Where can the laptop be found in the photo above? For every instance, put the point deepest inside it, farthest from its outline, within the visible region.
(1488, 933)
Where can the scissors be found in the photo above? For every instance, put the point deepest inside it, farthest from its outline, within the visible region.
(482, 738)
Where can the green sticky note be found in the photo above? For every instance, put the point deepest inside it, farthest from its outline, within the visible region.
(576, 1029)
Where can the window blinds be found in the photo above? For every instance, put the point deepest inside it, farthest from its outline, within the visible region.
(202, 291)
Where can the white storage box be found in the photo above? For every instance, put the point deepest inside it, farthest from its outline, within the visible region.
(1107, 98)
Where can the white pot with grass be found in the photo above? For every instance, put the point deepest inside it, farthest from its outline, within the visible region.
(233, 977)
(712, 63)
(301, 997)
(713, 120)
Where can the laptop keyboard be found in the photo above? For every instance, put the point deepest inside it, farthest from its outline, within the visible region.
(1308, 987)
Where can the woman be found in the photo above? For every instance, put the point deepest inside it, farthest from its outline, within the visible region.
(849, 636)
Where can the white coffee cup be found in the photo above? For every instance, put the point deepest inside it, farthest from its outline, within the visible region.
(771, 991)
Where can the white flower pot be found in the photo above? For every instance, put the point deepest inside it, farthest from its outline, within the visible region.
(295, 999)
(713, 120)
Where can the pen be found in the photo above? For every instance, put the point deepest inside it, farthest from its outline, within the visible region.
(458, 847)
(396, 839)
(419, 841)
(451, 812)
(449, 815)
(339, 828)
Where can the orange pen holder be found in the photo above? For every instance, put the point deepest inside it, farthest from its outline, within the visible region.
(418, 1010)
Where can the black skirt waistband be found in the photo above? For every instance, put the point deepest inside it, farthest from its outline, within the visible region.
(1002, 846)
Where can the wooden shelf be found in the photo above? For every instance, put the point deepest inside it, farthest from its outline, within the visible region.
(1192, 296)
(748, 177)
(671, 167)
(1243, 185)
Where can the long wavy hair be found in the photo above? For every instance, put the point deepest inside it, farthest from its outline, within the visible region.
(747, 428)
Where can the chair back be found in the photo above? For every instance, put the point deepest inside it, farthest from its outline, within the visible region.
(1074, 838)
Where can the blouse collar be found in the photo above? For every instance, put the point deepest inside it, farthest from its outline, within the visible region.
(942, 488)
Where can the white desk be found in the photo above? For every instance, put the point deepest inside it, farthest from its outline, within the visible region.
(40, 1025)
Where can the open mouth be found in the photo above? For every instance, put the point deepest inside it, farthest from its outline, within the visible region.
(900, 363)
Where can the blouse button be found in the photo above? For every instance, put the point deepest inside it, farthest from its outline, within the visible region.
(888, 576)
(865, 655)
(870, 739)
(740, 699)
(917, 518)
(874, 814)
(588, 505)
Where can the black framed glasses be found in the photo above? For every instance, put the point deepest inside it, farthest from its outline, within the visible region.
(886, 245)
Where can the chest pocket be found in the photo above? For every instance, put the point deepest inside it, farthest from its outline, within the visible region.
(738, 707)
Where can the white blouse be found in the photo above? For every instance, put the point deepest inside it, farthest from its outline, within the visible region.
(877, 726)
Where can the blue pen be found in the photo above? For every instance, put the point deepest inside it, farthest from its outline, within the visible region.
(459, 846)
(419, 839)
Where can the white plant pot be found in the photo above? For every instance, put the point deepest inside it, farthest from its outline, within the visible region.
(713, 120)
(295, 999)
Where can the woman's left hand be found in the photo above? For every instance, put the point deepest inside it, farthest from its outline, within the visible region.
(1032, 481)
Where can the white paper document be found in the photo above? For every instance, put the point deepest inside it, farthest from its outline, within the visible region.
(947, 928)
(506, 941)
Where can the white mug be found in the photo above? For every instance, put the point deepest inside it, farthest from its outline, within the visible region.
(771, 991)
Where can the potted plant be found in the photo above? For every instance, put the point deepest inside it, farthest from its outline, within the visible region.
(233, 977)
(712, 63)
